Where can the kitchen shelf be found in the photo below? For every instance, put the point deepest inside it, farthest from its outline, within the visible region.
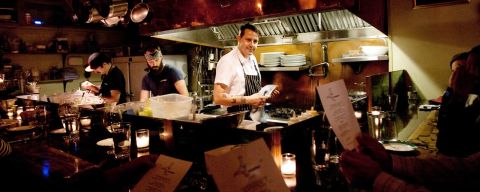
(360, 58)
(299, 68)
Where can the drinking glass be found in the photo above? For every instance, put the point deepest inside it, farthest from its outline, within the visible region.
(121, 140)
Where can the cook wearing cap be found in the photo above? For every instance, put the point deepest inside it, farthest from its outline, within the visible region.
(112, 89)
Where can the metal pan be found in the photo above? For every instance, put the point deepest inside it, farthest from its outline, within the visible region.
(141, 12)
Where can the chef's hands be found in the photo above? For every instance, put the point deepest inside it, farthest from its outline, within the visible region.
(361, 166)
(86, 85)
(256, 100)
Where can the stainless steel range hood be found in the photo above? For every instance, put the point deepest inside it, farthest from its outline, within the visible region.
(332, 25)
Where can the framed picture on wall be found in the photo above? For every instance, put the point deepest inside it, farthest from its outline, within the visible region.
(435, 3)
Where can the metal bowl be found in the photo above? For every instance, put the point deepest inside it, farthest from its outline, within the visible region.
(229, 120)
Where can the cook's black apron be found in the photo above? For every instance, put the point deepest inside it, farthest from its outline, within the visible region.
(252, 86)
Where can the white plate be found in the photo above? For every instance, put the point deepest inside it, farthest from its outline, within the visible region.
(271, 63)
(21, 128)
(294, 59)
(108, 142)
(401, 147)
(293, 64)
(293, 56)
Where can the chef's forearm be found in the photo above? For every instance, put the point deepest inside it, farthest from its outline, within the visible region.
(229, 100)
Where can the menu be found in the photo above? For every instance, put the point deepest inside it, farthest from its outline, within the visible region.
(267, 90)
(165, 176)
(340, 114)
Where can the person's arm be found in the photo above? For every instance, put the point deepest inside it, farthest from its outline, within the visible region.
(220, 96)
(443, 173)
(175, 75)
(440, 173)
(181, 87)
(92, 88)
(115, 96)
(144, 95)
(362, 171)
(386, 182)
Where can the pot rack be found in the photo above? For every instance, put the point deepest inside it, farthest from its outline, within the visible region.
(109, 12)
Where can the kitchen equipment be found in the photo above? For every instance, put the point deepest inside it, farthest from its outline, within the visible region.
(324, 65)
(140, 12)
(171, 106)
(374, 50)
(229, 120)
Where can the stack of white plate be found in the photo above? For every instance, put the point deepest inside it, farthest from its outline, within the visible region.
(293, 60)
(271, 59)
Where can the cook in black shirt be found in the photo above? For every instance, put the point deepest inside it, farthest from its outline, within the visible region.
(113, 82)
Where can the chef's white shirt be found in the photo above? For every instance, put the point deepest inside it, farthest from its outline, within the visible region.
(230, 71)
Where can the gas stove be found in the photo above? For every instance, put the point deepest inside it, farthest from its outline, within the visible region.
(283, 112)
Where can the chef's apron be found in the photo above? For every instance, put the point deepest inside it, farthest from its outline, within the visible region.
(252, 86)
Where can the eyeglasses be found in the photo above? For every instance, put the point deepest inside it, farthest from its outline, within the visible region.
(153, 56)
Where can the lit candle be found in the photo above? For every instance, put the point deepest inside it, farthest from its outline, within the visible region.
(142, 138)
(375, 112)
(358, 114)
(19, 110)
(85, 122)
(10, 114)
(289, 167)
(74, 126)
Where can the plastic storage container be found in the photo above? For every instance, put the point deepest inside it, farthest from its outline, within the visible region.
(170, 106)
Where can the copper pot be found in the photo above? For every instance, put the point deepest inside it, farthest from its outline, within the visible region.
(140, 12)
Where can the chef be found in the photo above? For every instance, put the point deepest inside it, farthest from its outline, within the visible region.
(112, 89)
(237, 79)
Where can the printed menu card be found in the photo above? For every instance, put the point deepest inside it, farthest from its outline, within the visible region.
(340, 114)
(165, 176)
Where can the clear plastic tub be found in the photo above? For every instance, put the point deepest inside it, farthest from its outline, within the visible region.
(170, 106)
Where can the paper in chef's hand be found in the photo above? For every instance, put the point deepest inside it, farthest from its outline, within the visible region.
(165, 176)
(340, 112)
(267, 90)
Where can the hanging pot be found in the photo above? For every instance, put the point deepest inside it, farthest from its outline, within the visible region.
(102, 7)
(94, 16)
(140, 13)
(118, 9)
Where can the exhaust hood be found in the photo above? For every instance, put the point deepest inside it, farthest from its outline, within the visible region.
(330, 25)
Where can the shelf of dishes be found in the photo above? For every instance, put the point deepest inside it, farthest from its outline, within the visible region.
(298, 68)
(360, 58)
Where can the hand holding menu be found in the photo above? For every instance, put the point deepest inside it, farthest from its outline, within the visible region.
(267, 90)
(340, 112)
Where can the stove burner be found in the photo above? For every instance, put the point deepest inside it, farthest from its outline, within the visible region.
(283, 112)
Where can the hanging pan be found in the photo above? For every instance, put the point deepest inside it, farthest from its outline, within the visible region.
(141, 12)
